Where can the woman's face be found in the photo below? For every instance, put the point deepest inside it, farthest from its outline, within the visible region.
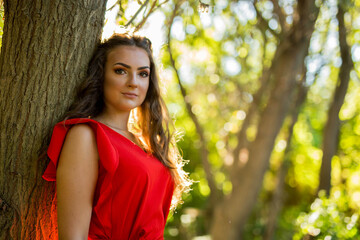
(126, 80)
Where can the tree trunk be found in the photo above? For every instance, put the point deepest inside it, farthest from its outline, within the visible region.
(45, 50)
(232, 214)
(278, 199)
(332, 128)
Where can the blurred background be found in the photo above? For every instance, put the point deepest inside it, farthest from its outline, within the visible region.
(265, 95)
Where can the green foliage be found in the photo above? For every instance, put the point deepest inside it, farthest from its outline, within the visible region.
(221, 98)
(221, 54)
(329, 218)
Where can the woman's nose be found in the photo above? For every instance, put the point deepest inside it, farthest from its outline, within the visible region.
(132, 81)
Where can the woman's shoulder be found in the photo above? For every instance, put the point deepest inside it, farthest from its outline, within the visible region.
(78, 125)
(81, 131)
(76, 121)
(82, 135)
(70, 140)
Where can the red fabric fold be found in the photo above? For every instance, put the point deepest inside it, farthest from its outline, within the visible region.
(133, 190)
(107, 153)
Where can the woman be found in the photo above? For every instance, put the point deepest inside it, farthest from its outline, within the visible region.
(116, 166)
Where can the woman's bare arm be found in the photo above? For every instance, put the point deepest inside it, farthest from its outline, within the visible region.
(76, 178)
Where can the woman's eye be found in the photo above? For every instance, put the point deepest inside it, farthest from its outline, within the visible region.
(119, 71)
(144, 74)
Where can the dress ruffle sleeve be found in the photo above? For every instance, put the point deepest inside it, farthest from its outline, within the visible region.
(107, 153)
(108, 162)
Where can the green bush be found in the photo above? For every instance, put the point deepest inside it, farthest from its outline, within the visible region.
(328, 219)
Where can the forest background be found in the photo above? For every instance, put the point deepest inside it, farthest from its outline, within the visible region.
(266, 98)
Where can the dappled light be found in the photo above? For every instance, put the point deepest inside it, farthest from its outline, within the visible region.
(265, 95)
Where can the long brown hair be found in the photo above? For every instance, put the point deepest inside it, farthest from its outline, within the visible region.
(150, 121)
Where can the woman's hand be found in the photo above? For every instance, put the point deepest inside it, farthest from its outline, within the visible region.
(76, 178)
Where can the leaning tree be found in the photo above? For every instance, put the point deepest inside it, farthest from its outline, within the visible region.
(46, 46)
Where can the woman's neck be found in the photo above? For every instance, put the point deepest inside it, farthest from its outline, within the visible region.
(118, 121)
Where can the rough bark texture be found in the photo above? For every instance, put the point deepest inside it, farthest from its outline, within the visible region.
(232, 214)
(332, 128)
(46, 47)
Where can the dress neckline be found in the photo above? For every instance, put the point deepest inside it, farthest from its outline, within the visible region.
(122, 136)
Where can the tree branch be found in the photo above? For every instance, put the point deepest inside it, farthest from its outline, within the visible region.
(280, 14)
(111, 8)
(276, 203)
(332, 127)
(250, 114)
(214, 194)
(137, 13)
(160, 4)
(263, 23)
(146, 17)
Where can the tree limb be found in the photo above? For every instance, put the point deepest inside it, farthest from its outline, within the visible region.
(215, 193)
(137, 13)
(137, 28)
(112, 7)
(263, 23)
(332, 128)
(250, 114)
(160, 4)
(278, 199)
(280, 14)
(152, 9)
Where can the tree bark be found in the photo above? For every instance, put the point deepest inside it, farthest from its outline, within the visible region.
(45, 50)
(332, 128)
(232, 214)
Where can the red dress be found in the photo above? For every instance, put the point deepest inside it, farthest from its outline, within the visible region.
(133, 191)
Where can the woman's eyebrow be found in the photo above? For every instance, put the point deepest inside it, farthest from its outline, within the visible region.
(127, 66)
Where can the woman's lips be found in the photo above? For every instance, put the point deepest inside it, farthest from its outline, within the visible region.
(130, 95)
